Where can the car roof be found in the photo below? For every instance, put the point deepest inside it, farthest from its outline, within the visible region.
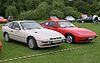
(24, 21)
(56, 20)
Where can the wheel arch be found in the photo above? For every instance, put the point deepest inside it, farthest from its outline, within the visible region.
(5, 33)
(69, 33)
(29, 37)
(36, 45)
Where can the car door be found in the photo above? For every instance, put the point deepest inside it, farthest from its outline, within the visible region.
(54, 26)
(51, 25)
(16, 33)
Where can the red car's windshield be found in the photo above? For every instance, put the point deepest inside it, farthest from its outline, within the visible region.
(65, 24)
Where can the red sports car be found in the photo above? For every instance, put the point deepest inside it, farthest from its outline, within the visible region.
(0, 45)
(73, 34)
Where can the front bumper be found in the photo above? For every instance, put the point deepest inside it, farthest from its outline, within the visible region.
(43, 44)
(84, 39)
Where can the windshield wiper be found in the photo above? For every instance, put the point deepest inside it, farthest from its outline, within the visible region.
(67, 26)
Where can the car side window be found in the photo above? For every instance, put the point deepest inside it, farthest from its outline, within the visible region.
(15, 25)
(46, 23)
(10, 25)
(51, 24)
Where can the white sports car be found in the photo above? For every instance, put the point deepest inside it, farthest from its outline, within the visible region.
(32, 33)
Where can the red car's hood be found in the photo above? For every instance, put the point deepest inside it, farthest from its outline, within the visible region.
(81, 31)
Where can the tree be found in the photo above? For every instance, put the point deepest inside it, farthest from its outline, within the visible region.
(41, 10)
(57, 8)
(57, 13)
(82, 6)
(28, 5)
(26, 15)
(11, 11)
(71, 11)
(46, 8)
(38, 13)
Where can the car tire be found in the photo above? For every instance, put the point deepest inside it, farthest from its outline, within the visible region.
(31, 42)
(70, 38)
(6, 37)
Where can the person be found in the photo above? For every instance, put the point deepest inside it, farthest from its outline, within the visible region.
(8, 18)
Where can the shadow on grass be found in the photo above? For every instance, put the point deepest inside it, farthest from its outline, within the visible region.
(18, 43)
(86, 44)
(63, 46)
(25, 45)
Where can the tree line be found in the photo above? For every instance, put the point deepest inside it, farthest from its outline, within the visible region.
(42, 9)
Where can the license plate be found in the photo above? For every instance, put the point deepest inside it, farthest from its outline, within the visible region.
(56, 41)
(53, 45)
(91, 37)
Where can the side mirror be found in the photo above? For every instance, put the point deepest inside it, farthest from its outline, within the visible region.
(17, 28)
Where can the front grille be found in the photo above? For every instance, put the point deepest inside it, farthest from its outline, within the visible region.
(55, 38)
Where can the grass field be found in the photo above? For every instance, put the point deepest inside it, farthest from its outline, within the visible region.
(89, 54)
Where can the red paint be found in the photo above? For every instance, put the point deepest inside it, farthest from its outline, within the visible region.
(3, 20)
(80, 34)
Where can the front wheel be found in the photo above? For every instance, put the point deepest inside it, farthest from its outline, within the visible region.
(6, 37)
(70, 38)
(32, 44)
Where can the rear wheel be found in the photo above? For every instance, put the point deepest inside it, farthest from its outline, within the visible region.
(70, 38)
(6, 37)
(32, 44)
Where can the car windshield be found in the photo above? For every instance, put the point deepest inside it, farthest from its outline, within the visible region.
(65, 24)
(30, 25)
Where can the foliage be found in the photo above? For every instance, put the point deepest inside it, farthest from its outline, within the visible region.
(45, 8)
(38, 13)
(11, 11)
(26, 15)
(57, 13)
(70, 11)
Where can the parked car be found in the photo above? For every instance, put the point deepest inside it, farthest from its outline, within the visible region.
(32, 33)
(99, 19)
(70, 18)
(53, 18)
(2, 20)
(87, 19)
(0, 45)
(72, 33)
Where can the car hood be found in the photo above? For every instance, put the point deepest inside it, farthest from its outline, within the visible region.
(81, 31)
(44, 34)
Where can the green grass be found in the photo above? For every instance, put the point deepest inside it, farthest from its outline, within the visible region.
(89, 54)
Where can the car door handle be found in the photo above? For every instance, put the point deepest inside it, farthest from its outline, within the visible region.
(11, 31)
